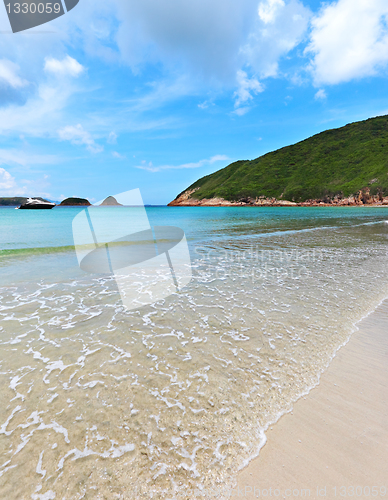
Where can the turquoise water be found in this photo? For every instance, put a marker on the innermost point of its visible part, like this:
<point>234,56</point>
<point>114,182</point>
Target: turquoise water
<point>26,235</point>
<point>169,400</point>
<point>53,228</point>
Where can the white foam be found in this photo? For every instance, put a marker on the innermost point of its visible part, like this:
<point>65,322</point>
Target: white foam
<point>39,469</point>
<point>49,495</point>
<point>210,372</point>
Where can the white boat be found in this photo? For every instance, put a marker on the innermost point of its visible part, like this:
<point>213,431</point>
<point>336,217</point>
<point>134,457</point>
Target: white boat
<point>35,204</point>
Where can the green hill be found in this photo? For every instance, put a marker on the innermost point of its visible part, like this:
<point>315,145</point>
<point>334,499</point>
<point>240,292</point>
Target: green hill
<point>338,162</point>
<point>16,201</point>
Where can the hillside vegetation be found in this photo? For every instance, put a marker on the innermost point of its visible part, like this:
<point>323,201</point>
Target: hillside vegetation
<point>16,201</point>
<point>338,162</point>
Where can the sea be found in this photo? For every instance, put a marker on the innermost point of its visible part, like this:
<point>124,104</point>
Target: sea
<point>169,400</point>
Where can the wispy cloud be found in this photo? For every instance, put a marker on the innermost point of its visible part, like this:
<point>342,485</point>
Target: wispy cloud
<point>161,93</point>
<point>280,26</point>
<point>267,10</point>
<point>9,74</point>
<point>112,138</point>
<point>202,163</point>
<point>65,67</point>
<point>7,182</point>
<point>320,95</point>
<point>206,104</point>
<point>38,116</point>
<point>9,186</point>
<point>246,89</point>
<point>78,135</point>
<point>115,154</point>
<point>25,158</point>
<point>241,111</point>
<point>46,105</point>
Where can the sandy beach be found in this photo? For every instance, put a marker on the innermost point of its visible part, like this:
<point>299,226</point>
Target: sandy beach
<point>166,400</point>
<point>334,443</point>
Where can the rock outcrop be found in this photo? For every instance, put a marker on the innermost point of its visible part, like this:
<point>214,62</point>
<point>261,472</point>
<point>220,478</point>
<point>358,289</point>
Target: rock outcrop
<point>74,202</point>
<point>362,198</point>
<point>110,202</point>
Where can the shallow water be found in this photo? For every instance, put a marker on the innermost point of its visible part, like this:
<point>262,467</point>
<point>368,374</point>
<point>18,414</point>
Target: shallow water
<point>169,400</point>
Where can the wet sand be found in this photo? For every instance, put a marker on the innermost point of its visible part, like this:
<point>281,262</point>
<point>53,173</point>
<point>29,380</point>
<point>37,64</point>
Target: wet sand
<point>336,438</point>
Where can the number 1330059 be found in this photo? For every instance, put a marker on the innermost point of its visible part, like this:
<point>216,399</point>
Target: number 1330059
<point>32,8</point>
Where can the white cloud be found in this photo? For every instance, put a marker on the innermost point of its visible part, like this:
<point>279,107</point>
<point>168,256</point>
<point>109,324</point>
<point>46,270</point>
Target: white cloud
<point>211,40</point>
<point>51,102</point>
<point>115,154</point>
<point>162,93</point>
<point>66,67</point>
<point>21,161</point>
<point>78,135</point>
<point>9,74</point>
<point>203,42</point>
<point>210,161</point>
<point>268,10</point>
<point>349,40</point>
<point>204,105</point>
<point>112,138</point>
<point>279,27</point>
<point>320,95</point>
<point>202,36</point>
<point>9,186</point>
<point>246,88</point>
<point>48,108</point>
<point>241,111</point>
<point>206,40</point>
<point>7,182</point>
<point>39,115</point>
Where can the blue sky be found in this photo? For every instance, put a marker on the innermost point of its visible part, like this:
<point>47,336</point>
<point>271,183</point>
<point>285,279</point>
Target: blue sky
<point>154,94</point>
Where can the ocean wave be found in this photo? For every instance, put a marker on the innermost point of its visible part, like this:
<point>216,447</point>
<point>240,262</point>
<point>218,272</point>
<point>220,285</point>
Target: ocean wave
<point>174,398</point>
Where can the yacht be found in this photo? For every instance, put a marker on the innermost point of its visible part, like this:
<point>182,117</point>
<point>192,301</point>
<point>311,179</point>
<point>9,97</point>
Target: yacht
<point>35,204</point>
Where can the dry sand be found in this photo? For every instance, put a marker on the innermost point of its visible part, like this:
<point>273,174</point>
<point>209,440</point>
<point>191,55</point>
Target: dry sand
<point>336,438</point>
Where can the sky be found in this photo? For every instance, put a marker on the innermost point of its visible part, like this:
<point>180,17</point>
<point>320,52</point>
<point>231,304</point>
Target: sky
<point>154,94</point>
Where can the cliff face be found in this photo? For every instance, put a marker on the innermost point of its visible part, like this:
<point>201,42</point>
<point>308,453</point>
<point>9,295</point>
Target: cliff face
<point>345,166</point>
<point>362,198</point>
<point>185,199</point>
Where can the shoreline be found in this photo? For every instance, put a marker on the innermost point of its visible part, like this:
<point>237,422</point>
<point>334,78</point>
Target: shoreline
<point>362,198</point>
<point>335,437</point>
<point>291,205</point>
<point>277,203</point>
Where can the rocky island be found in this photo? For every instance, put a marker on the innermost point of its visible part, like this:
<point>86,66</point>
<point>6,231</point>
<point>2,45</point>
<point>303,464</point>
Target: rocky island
<point>347,166</point>
<point>110,201</point>
<point>74,202</point>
